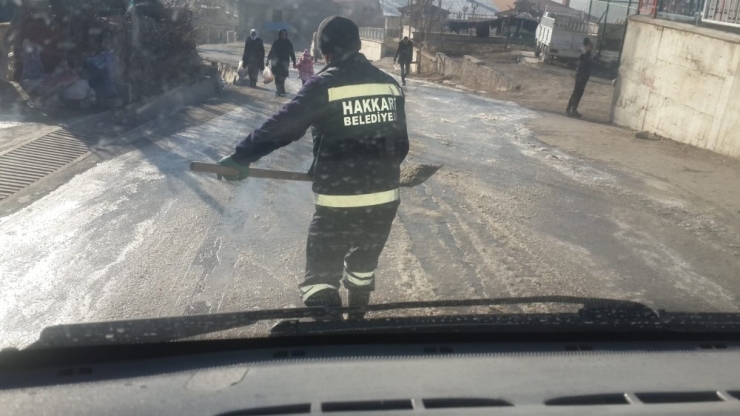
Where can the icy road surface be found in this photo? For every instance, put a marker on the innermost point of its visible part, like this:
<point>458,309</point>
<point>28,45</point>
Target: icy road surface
<point>138,235</point>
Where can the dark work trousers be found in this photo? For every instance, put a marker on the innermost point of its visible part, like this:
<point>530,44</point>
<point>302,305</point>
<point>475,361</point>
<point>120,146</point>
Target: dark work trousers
<point>575,98</point>
<point>253,71</point>
<point>344,244</point>
<point>405,70</point>
<point>280,83</point>
<point>280,72</point>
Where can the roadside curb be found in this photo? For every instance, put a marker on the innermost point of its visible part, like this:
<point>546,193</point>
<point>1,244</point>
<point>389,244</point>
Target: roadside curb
<point>228,72</point>
<point>178,98</point>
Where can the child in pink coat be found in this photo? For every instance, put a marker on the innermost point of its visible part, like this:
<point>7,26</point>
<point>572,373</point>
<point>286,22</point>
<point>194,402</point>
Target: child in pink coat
<point>305,66</point>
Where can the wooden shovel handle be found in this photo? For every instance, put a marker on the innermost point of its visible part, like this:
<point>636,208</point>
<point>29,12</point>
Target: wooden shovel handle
<point>253,172</point>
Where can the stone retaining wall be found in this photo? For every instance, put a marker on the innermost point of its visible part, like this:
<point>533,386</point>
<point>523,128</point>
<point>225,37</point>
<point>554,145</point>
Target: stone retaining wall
<point>472,72</point>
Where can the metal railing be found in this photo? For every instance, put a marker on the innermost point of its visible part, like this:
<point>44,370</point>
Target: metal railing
<point>724,12</point>
<point>372,33</point>
<point>648,7</point>
<point>393,33</point>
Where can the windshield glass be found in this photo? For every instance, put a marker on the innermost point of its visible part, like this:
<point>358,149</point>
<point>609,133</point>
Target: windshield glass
<point>554,156</point>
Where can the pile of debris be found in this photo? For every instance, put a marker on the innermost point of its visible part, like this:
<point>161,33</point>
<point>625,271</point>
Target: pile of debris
<point>101,52</point>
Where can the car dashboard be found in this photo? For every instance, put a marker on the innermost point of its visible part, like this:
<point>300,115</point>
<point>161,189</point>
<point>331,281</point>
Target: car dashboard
<point>466,375</point>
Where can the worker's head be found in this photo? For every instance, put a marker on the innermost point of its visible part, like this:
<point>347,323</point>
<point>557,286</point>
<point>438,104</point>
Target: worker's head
<point>405,38</point>
<point>339,37</point>
<point>253,33</point>
<point>283,34</point>
<point>588,44</point>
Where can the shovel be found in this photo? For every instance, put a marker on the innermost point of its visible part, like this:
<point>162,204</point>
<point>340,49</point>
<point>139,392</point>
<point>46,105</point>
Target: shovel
<point>411,174</point>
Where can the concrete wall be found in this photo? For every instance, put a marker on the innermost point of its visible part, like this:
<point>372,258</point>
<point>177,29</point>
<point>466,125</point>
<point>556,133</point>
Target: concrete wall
<point>679,81</point>
<point>478,76</point>
<point>227,71</point>
<point>428,63</point>
<point>441,64</point>
<point>472,72</point>
<point>178,98</point>
<point>373,49</point>
<point>459,45</point>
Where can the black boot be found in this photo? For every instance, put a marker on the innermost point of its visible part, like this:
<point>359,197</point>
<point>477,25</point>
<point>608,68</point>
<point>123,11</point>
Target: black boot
<point>326,299</point>
<point>358,298</point>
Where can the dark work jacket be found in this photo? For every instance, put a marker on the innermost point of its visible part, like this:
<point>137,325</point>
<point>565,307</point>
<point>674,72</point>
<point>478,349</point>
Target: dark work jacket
<point>358,120</point>
<point>280,56</point>
<point>254,53</point>
<point>583,72</point>
<point>405,51</point>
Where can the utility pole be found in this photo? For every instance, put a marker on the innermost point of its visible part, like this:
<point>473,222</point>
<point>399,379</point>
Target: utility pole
<point>589,9</point>
<point>603,32</point>
<point>474,7</point>
<point>400,28</point>
<point>506,22</point>
<point>411,14</point>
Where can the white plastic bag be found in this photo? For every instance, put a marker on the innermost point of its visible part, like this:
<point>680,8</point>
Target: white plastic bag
<point>77,91</point>
<point>267,76</point>
<point>242,72</point>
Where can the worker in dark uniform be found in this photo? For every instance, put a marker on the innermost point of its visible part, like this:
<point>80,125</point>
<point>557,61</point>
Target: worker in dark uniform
<point>279,59</point>
<point>583,73</point>
<point>404,55</point>
<point>253,57</point>
<point>357,117</point>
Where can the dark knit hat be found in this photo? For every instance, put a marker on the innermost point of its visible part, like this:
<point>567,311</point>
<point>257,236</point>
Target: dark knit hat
<point>339,35</point>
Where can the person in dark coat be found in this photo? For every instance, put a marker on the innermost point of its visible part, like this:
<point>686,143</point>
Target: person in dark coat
<point>357,117</point>
<point>254,57</point>
<point>404,55</point>
<point>279,59</point>
<point>583,73</point>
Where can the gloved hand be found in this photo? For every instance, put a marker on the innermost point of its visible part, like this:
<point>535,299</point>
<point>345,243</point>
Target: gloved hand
<point>243,169</point>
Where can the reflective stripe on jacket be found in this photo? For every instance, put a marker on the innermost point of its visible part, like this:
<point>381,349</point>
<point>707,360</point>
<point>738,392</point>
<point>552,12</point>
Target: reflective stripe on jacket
<point>358,120</point>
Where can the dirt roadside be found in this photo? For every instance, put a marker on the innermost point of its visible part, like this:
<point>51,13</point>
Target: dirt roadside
<point>544,87</point>
<point>701,174</point>
<point>547,87</point>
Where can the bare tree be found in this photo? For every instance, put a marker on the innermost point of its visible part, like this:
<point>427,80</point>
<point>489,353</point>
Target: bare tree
<point>430,19</point>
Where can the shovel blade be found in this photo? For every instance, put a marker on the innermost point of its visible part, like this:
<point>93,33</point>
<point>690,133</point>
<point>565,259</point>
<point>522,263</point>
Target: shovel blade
<point>416,174</point>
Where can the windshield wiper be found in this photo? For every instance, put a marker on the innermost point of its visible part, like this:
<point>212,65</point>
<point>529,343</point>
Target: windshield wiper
<point>136,331</point>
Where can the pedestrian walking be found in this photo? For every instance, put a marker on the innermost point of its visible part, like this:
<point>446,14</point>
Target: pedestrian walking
<point>305,66</point>
<point>254,57</point>
<point>404,55</point>
<point>583,73</point>
<point>279,59</point>
<point>357,117</point>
